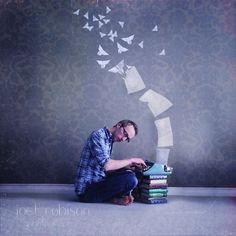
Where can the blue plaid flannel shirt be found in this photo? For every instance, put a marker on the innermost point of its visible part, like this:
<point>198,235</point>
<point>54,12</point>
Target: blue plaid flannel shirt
<point>96,153</point>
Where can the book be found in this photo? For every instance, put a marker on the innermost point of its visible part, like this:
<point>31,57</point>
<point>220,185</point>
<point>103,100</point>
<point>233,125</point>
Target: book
<point>154,200</point>
<point>152,186</point>
<point>153,195</point>
<point>155,190</point>
<point>155,181</point>
<point>154,177</point>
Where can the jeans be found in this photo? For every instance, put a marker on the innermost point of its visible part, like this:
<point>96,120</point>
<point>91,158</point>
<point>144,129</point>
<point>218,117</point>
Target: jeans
<point>115,184</point>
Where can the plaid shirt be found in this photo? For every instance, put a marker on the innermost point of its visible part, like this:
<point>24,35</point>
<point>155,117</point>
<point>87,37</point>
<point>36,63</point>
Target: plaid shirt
<point>95,155</point>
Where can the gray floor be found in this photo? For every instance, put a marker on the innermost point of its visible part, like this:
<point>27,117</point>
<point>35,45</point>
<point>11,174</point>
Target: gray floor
<point>54,211</point>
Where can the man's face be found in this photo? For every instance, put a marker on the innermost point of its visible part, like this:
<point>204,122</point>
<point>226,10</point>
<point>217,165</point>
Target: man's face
<point>123,133</point>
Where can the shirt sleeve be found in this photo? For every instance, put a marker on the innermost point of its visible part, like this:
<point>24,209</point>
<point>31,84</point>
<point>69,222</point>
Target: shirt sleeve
<point>99,148</point>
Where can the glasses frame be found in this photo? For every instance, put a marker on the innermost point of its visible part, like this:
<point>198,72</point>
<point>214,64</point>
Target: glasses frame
<point>125,134</point>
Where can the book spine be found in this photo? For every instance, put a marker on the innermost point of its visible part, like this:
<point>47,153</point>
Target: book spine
<point>156,181</point>
<point>154,200</point>
<point>153,186</point>
<point>154,195</point>
<point>155,190</point>
<point>155,177</point>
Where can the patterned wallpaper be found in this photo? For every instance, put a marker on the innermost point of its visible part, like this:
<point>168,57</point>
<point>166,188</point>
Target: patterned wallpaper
<point>53,92</point>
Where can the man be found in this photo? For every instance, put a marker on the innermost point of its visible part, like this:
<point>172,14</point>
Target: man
<point>99,178</point>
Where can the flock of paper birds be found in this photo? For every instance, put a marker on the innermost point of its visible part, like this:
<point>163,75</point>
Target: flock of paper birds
<point>99,21</point>
<point>133,81</point>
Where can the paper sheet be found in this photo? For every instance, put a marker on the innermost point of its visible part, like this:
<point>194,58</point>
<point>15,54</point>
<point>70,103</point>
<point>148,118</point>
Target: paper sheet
<point>133,80</point>
<point>165,135</point>
<point>156,102</point>
<point>162,155</point>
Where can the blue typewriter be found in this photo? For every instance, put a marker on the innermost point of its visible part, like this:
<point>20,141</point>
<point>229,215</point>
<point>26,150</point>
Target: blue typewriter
<point>156,169</point>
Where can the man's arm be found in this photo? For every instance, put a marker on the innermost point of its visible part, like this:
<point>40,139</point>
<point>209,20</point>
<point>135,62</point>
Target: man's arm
<point>118,164</point>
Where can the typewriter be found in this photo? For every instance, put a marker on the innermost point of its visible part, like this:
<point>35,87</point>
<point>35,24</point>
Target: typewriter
<point>156,169</point>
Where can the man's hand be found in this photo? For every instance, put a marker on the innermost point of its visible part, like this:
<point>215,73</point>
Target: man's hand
<point>137,162</point>
<point>127,163</point>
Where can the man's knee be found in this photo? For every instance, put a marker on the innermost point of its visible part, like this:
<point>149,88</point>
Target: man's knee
<point>132,180</point>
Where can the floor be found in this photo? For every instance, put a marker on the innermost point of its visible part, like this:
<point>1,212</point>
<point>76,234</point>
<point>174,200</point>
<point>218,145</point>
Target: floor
<point>54,210</point>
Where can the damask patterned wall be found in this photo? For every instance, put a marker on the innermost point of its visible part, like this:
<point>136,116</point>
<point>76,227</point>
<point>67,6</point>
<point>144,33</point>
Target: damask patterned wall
<point>53,92</point>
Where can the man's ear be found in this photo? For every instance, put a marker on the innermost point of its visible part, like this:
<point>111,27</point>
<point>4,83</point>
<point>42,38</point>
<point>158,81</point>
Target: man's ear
<point>118,125</point>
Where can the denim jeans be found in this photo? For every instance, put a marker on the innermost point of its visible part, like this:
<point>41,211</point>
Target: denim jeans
<point>115,184</point>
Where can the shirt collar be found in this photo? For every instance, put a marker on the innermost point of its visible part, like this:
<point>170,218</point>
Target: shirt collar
<point>108,133</point>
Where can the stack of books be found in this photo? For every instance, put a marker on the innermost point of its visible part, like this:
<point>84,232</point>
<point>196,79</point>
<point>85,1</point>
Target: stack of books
<point>152,183</point>
<point>153,189</point>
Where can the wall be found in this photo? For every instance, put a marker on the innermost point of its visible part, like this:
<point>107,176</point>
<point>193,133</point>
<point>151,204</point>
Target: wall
<point>53,92</point>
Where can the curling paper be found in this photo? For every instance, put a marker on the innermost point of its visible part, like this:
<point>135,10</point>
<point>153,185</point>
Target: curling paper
<point>156,102</point>
<point>133,80</point>
<point>165,135</point>
<point>162,155</point>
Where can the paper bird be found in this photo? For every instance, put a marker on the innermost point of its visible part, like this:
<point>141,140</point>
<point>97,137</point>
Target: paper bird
<point>155,28</point>
<point>121,23</point>
<point>101,16</point>
<point>86,26</point>
<point>121,48</point>
<point>128,39</point>
<point>110,33</point>
<point>103,63</point>
<point>102,34</point>
<point>86,15</point>
<point>95,18</point>
<point>100,24</point>
<point>76,12</point>
<point>113,35</point>
<point>162,53</point>
<point>107,9</point>
<point>140,44</point>
<point>106,20</point>
<point>101,51</point>
<point>119,68</point>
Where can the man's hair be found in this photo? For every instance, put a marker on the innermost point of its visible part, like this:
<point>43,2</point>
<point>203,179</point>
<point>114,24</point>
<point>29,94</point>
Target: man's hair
<point>125,123</point>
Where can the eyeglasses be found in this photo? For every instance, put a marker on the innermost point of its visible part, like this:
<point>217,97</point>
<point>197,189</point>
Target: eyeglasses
<point>125,134</point>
